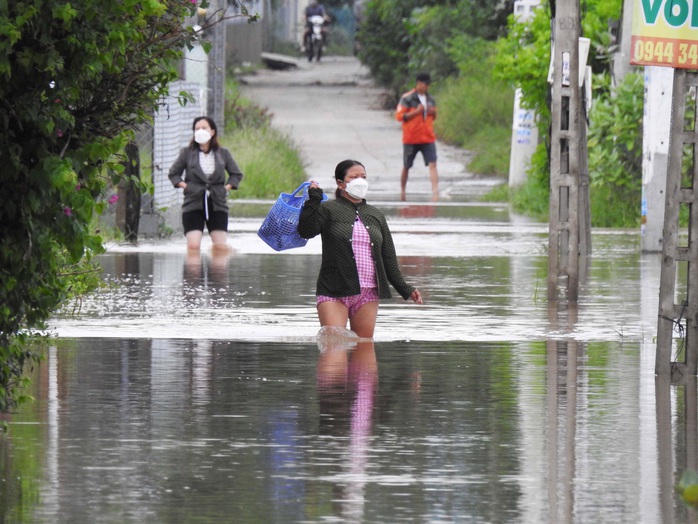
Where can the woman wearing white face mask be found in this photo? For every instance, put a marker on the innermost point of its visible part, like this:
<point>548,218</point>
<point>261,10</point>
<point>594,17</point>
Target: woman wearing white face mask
<point>204,164</point>
<point>358,254</point>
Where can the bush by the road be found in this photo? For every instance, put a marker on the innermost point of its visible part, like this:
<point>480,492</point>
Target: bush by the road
<point>269,158</point>
<point>615,121</point>
<point>74,78</point>
<point>475,109</point>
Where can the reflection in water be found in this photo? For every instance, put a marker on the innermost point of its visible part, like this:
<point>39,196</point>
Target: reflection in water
<point>677,442</point>
<point>347,381</point>
<point>563,358</point>
<point>416,270</point>
<point>202,274</point>
<point>491,408</point>
<point>575,416</point>
<point>51,494</point>
<point>417,211</point>
<point>285,457</point>
<point>196,430</point>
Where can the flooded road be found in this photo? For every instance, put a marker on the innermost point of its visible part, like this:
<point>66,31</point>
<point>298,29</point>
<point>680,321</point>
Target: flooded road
<point>195,389</point>
<point>482,272</point>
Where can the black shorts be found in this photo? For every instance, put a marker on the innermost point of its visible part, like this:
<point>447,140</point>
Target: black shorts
<point>409,152</point>
<point>195,220</point>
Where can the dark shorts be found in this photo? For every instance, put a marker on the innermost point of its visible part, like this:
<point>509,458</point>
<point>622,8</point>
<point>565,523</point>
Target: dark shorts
<point>195,221</point>
<point>409,152</point>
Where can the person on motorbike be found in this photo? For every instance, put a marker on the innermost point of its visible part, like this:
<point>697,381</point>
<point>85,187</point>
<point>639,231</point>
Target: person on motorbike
<point>314,9</point>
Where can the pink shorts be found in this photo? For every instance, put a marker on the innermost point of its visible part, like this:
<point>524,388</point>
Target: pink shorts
<point>354,302</point>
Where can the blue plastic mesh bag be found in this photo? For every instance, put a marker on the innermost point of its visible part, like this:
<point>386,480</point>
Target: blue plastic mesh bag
<point>280,227</point>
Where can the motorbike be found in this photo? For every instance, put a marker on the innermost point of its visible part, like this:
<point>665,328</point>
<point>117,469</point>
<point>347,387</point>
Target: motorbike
<point>314,40</point>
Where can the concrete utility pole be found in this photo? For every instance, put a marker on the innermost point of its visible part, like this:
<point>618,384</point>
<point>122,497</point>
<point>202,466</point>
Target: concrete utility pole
<point>621,58</point>
<point>216,67</point>
<point>569,230</point>
<point>679,255</point>
<point>668,38</point>
<point>656,122</point>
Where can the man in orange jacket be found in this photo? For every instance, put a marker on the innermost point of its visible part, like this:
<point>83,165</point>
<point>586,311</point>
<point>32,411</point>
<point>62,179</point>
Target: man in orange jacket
<point>417,112</point>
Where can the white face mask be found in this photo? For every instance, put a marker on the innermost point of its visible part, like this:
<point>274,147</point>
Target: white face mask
<point>201,136</point>
<point>357,188</point>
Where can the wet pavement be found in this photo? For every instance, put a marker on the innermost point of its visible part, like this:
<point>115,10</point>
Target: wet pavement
<point>196,388</point>
<point>483,278</point>
<point>333,112</point>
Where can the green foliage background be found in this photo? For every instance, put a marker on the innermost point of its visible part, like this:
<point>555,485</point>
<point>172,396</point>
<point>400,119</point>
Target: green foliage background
<point>615,153</point>
<point>268,157</point>
<point>75,77</point>
<point>615,120</point>
<point>399,38</point>
<point>478,56</point>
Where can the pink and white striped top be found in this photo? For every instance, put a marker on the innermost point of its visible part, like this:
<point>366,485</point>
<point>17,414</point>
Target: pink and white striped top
<point>361,244</point>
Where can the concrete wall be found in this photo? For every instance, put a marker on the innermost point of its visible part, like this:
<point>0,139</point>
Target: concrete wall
<point>245,41</point>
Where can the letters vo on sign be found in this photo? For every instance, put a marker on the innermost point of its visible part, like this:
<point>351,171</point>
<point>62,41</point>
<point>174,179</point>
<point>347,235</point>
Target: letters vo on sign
<point>665,33</point>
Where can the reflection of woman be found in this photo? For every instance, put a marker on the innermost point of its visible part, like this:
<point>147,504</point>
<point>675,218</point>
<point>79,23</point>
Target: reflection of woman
<point>204,276</point>
<point>347,388</point>
<point>205,164</point>
<point>358,255</point>
<point>215,273</point>
<point>347,380</point>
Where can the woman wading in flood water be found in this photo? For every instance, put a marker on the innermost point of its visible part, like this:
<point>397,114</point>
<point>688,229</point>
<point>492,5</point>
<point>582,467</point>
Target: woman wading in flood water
<point>358,255</point>
<point>204,164</point>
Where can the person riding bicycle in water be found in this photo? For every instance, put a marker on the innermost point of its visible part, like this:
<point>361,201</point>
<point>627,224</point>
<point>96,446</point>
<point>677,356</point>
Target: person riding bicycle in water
<point>314,9</point>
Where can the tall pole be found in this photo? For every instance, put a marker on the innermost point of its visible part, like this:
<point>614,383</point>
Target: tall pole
<point>566,153</point>
<point>659,82</point>
<point>680,255</point>
<point>216,67</point>
<point>660,38</point>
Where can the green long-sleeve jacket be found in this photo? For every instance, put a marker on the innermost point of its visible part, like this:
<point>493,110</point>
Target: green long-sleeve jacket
<point>334,220</point>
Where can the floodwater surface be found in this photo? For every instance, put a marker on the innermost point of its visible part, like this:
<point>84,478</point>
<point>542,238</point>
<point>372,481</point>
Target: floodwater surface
<point>196,389</point>
<point>482,273</point>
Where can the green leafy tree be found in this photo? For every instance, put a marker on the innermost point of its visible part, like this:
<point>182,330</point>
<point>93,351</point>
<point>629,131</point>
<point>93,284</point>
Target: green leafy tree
<point>75,77</point>
<point>436,30</point>
<point>384,41</point>
<point>522,61</point>
<point>523,58</point>
<point>615,153</point>
<point>401,37</point>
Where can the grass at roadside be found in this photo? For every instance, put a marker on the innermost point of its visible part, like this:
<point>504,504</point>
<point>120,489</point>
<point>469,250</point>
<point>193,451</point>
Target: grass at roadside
<point>472,114</point>
<point>475,113</point>
<point>269,159</point>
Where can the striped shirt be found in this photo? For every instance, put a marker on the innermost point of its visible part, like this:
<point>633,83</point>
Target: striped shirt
<point>361,244</point>
<point>207,162</point>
